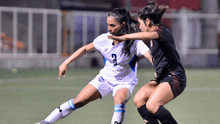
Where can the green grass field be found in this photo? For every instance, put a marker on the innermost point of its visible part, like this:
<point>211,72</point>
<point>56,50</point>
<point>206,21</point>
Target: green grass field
<point>30,95</point>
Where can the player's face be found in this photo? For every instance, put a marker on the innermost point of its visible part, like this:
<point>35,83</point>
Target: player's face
<point>142,25</point>
<point>113,26</point>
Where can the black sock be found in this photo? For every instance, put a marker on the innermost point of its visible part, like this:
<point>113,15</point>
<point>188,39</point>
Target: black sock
<point>164,116</point>
<point>147,116</point>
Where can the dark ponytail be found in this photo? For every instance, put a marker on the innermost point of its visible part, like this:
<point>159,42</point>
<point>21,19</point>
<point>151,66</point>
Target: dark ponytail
<point>153,12</point>
<point>130,26</point>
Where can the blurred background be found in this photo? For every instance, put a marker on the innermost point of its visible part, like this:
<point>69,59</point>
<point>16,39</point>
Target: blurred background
<point>43,33</point>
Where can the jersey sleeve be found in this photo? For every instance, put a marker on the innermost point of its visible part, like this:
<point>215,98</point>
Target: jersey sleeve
<point>96,43</point>
<point>160,32</point>
<point>163,34</point>
<point>99,42</point>
<point>141,48</point>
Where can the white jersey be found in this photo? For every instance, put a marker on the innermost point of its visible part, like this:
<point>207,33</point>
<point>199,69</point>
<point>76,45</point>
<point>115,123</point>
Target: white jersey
<point>119,68</point>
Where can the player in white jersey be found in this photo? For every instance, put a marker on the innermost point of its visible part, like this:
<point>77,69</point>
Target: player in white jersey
<point>119,73</point>
<point>119,68</point>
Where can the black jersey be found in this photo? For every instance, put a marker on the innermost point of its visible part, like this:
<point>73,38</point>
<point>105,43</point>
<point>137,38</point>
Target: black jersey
<point>166,60</point>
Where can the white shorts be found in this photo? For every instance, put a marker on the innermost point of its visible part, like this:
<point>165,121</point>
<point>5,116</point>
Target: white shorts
<point>105,88</point>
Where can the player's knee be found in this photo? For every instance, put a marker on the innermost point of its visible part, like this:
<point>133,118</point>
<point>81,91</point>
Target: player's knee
<point>122,96</point>
<point>119,101</point>
<point>139,100</point>
<point>152,107</point>
<point>136,100</point>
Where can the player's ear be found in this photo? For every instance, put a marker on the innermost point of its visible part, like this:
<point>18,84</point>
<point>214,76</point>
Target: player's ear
<point>147,22</point>
<point>123,23</point>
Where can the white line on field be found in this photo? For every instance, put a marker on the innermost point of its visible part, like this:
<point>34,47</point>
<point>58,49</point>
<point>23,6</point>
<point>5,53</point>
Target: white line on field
<point>49,79</point>
<point>39,88</point>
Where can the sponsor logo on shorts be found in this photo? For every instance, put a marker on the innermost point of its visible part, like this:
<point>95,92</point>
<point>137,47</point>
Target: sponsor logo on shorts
<point>101,79</point>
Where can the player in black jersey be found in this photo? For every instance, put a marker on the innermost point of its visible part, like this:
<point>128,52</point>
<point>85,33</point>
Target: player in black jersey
<point>170,75</point>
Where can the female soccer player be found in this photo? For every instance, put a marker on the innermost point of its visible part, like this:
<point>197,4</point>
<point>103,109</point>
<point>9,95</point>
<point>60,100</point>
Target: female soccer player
<point>170,78</point>
<point>119,73</point>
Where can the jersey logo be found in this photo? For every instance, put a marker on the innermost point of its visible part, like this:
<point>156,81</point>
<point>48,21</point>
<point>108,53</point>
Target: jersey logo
<point>105,49</point>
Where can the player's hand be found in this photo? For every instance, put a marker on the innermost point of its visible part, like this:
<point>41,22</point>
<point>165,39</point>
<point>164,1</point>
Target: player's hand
<point>62,70</point>
<point>111,37</point>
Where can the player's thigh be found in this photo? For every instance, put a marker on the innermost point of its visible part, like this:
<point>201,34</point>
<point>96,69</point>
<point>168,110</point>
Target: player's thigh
<point>89,93</point>
<point>144,93</point>
<point>161,95</point>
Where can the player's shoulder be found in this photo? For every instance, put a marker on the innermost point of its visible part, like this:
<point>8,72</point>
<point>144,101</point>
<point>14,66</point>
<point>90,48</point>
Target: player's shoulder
<point>101,40</point>
<point>103,36</point>
<point>136,42</point>
<point>163,30</point>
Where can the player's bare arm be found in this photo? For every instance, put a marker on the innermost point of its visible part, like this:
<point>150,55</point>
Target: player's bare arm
<point>118,38</point>
<point>136,36</point>
<point>76,55</point>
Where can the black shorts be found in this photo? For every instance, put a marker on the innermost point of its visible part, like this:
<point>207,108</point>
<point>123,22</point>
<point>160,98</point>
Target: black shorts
<point>177,85</point>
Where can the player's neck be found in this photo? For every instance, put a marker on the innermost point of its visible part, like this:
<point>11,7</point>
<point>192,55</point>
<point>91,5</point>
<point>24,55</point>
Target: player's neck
<point>115,42</point>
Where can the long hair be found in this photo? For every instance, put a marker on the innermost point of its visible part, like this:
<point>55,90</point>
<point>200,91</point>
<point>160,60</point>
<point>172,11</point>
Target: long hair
<point>153,12</point>
<point>130,26</point>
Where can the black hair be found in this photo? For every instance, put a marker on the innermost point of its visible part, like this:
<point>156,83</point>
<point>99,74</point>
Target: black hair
<point>153,12</point>
<point>130,26</point>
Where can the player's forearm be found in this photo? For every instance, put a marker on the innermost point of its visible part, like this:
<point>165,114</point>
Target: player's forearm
<point>134,36</point>
<point>141,36</point>
<point>148,56</point>
<point>76,55</point>
<point>79,53</point>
